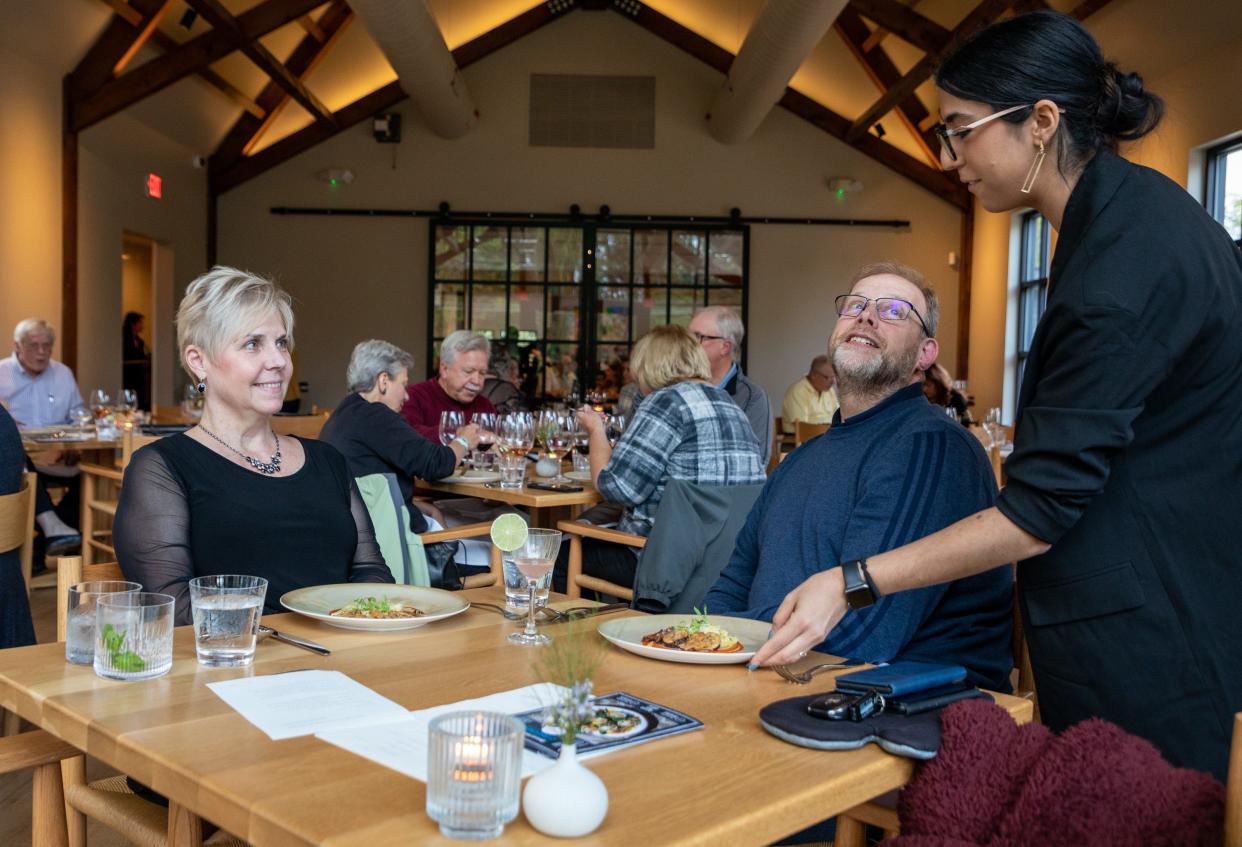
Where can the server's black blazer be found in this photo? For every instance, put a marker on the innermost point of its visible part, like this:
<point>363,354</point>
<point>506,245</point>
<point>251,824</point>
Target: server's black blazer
<point>1128,459</point>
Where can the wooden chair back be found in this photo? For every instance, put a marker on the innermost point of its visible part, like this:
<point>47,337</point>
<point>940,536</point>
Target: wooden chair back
<point>804,431</point>
<point>575,579</point>
<point>17,513</point>
<point>303,426</point>
<point>775,458</point>
<point>1025,684</point>
<point>1233,789</point>
<point>70,570</point>
<point>131,441</point>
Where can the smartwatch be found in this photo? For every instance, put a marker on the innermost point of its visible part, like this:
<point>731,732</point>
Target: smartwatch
<point>859,589</point>
<point>463,442</point>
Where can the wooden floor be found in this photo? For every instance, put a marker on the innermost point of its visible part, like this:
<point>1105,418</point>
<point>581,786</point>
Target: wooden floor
<point>15,788</point>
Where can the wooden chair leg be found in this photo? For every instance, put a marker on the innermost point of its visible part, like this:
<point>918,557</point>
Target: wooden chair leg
<point>86,520</point>
<point>48,827</point>
<point>73,772</point>
<point>575,567</point>
<point>185,829</point>
<point>851,832</point>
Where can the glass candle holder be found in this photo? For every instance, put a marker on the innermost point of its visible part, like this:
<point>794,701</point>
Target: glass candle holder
<point>474,773</point>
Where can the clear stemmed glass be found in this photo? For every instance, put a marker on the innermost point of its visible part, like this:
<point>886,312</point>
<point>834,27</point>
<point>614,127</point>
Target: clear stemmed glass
<point>614,425</point>
<point>101,404</point>
<point>487,424</point>
<point>516,433</point>
<point>450,422</point>
<point>534,559</point>
<point>559,441</point>
<point>992,426</point>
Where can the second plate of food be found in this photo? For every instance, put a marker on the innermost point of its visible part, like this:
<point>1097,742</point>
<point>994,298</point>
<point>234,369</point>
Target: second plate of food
<point>474,476</point>
<point>374,606</point>
<point>661,637</point>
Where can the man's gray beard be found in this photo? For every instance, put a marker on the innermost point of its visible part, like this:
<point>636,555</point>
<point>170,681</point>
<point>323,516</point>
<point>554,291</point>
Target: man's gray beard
<point>878,376</point>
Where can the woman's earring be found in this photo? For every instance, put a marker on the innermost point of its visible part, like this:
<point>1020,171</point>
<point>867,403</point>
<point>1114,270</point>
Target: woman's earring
<point>202,387</point>
<point>1034,171</point>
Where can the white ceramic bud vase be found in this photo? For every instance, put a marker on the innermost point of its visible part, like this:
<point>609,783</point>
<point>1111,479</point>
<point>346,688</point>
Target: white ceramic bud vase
<point>567,800</point>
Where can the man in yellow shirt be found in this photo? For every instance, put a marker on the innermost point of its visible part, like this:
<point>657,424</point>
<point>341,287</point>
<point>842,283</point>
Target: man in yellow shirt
<point>811,399</point>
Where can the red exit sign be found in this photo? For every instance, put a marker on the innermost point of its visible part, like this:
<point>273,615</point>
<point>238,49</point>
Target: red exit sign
<point>155,186</point>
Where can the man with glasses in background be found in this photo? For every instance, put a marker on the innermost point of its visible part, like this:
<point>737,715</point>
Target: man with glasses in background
<point>720,331</point>
<point>892,468</point>
<point>40,391</point>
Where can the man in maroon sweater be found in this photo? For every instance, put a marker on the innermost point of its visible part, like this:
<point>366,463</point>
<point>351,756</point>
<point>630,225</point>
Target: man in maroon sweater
<point>463,367</point>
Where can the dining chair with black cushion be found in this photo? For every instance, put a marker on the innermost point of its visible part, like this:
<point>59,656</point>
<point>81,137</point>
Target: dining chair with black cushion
<point>111,801</point>
<point>693,533</point>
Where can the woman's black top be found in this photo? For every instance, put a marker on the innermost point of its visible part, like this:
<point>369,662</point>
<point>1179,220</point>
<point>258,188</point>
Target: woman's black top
<point>186,511</point>
<point>16,626</point>
<point>375,439</point>
<point>1128,460</point>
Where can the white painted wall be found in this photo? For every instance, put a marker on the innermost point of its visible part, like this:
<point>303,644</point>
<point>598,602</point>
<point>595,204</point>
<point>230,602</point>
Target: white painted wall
<point>357,278</point>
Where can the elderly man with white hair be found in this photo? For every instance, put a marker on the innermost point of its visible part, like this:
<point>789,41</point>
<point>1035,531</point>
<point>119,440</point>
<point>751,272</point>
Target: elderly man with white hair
<point>457,387</point>
<point>720,331</point>
<point>40,391</point>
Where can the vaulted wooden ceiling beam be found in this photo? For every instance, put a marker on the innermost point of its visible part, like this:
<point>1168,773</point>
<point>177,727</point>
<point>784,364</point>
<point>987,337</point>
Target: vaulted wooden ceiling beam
<point>983,14</point>
<point>131,15</point>
<point>146,28</point>
<point>905,23</point>
<point>879,66</point>
<point>247,130</point>
<point>214,12</point>
<point>312,29</point>
<point>933,179</point>
<point>877,36</point>
<point>1087,8</point>
<point>93,103</point>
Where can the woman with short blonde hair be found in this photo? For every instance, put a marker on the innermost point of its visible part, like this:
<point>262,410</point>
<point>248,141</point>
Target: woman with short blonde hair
<point>231,496</point>
<point>686,428</point>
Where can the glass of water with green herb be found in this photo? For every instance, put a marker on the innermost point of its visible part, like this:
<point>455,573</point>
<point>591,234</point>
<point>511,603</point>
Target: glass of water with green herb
<point>133,635</point>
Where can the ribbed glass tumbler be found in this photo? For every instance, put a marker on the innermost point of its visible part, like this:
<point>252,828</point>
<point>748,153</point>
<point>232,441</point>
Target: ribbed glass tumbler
<point>474,773</point>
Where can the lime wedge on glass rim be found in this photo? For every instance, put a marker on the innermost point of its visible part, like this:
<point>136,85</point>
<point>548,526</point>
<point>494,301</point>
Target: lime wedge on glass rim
<point>509,532</point>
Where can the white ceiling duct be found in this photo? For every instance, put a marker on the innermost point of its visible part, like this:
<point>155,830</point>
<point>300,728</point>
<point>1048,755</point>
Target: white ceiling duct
<point>415,47</point>
<point>780,40</point>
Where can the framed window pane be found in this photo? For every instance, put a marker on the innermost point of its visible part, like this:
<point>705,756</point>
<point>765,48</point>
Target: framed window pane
<point>1030,308</point>
<point>612,256</point>
<point>650,310</point>
<point>1034,246</point>
<point>607,375</point>
<point>725,297</point>
<point>487,310</point>
<point>689,257</point>
<point>560,378</point>
<point>726,259</point>
<point>612,313</point>
<point>449,308</point>
<point>564,255</point>
<point>491,252</point>
<point>526,310</point>
<point>1225,188</point>
<point>452,244</point>
<point>563,311</point>
<point>650,257</point>
<point>681,304</point>
<point>526,254</point>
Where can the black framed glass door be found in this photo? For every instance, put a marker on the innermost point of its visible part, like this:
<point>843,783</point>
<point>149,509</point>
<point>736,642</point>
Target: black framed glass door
<point>569,299</point>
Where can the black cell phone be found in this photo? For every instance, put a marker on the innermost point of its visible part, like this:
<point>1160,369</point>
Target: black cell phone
<point>554,486</point>
<point>934,698</point>
<point>846,705</point>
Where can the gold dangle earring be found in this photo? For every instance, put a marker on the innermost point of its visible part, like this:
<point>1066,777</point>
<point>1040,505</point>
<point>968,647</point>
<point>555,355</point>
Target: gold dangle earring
<point>1034,171</point>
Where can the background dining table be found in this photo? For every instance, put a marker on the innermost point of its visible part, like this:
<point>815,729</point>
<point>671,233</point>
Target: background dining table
<point>730,782</point>
<point>545,507</point>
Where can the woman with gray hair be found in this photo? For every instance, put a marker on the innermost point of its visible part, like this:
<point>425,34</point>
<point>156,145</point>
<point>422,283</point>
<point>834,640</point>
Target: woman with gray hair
<point>230,496</point>
<point>368,429</point>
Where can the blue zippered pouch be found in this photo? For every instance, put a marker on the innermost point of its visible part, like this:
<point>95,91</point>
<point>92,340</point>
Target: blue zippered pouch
<point>901,678</point>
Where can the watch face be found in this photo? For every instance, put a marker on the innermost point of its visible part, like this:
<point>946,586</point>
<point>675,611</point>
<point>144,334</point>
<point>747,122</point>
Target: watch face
<point>860,597</point>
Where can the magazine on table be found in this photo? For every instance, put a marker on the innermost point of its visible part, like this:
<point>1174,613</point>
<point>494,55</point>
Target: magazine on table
<point>620,720</point>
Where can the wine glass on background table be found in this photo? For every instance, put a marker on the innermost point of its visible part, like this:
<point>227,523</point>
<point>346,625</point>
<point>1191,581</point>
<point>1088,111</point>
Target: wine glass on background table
<point>992,427</point>
<point>614,425</point>
<point>101,404</point>
<point>582,447</point>
<point>450,422</point>
<point>559,441</point>
<point>534,560</point>
<point>514,440</point>
<point>487,422</point>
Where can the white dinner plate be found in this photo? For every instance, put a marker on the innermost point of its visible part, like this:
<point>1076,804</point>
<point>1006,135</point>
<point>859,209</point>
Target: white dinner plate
<point>474,476</point>
<point>627,633</point>
<point>317,601</point>
<point>62,437</point>
<point>579,476</point>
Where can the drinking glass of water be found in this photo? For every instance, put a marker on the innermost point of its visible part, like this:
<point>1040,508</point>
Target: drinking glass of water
<point>133,635</point>
<point>80,632</point>
<point>226,609</point>
<point>534,560</point>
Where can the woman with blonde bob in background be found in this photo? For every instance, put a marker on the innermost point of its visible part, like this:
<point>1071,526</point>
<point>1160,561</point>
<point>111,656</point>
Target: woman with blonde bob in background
<point>686,428</point>
<point>230,495</point>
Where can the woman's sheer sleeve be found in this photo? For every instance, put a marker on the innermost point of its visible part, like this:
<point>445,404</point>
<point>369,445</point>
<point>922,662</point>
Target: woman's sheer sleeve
<point>368,564</point>
<point>151,532</point>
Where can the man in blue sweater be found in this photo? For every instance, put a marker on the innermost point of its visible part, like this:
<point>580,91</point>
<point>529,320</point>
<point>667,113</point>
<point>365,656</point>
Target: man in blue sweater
<point>891,468</point>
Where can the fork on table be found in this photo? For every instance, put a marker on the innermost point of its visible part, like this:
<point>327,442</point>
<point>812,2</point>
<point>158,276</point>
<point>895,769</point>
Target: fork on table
<point>803,677</point>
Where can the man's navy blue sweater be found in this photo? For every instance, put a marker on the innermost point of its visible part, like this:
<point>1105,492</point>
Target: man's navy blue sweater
<point>891,475</point>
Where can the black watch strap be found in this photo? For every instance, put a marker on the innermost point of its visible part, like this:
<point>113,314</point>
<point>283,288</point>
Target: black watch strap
<point>859,589</point>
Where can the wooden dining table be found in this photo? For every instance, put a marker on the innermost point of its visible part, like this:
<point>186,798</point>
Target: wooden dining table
<point>730,782</point>
<point>545,507</point>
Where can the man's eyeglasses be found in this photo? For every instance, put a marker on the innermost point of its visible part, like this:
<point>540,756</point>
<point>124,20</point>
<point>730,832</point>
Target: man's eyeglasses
<point>700,337</point>
<point>891,309</point>
<point>944,133</point>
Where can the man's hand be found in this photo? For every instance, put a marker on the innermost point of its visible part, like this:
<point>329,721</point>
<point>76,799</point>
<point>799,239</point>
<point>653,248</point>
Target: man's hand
<point>804,619</point>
